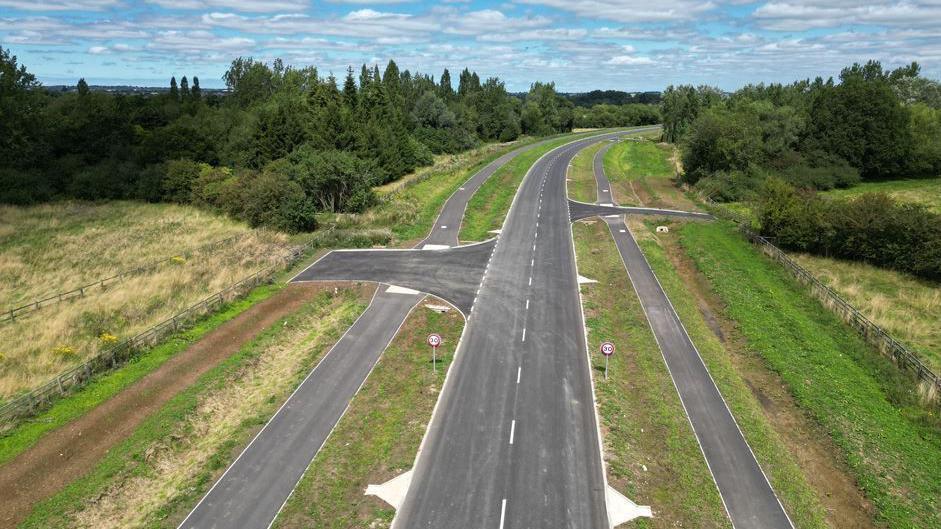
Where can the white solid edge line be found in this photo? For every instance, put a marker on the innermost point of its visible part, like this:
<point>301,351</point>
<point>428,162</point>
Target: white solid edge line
<point>283,404</point>
<point>452,367</point>
<point>711,379</point>
<point>421,297</point>
<point>309,266</point>
<point>591,378</point>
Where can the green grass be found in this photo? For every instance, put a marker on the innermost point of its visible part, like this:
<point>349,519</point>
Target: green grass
<point>581,185</point>
<point>786,477</point>
<point>632,160</point>
<point>104,386</point>
<point>925,191</point>
<point>651,452</point>
<point>891,445</point>
<point>379,435</point>
<point>130,456</point>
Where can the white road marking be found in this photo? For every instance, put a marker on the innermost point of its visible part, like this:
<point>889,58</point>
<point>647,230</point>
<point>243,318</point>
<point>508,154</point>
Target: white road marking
<point>512,430</point>
<point>532,262</point>
<point>444,227</point>
<point>530,280</point>
<point>524,334</point>
<point>527,304</point>
<point>622,231</point>
<point>519,371</point>
<point>503,513</point>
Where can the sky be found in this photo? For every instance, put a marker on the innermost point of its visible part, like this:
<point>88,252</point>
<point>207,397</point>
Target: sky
<point>581,45</point>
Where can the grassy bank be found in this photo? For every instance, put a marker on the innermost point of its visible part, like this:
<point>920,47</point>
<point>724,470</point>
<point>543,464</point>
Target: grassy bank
<point>641,173</point>
<point>581,175</point>
<point>651,453</point>
<point>909,308</point>
<point>890,444</point>
<point>57,247</point>
<point>379,435</point>
<point>925,191</point>
<point>787,479</point>
<point>155,476</point>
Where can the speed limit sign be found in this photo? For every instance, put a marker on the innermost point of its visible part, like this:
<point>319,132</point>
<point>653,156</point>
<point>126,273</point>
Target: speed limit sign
<point>607,349</point>
<point>434,340</point>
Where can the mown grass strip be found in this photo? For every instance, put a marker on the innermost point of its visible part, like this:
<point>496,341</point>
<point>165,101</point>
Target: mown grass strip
<point>106,385</point>
<point>581,175</point>
<point>891,445</point>
<point>651,453</point>
<point>786,477</point>
<point>379,435</point>
<point>130,457</point>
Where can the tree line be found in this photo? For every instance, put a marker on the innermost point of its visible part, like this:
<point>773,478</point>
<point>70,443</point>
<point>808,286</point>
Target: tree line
<point>283,144</point>
<point>870,124</point>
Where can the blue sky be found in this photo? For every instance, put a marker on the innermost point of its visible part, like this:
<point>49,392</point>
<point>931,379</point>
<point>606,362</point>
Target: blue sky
<point>580,44</point>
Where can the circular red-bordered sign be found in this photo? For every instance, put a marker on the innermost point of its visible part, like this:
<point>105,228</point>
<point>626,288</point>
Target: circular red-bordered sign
<point>434,340</point>
<point>607,348</point>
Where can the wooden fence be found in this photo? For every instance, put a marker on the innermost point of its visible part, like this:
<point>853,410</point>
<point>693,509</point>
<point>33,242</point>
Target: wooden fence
<point>39,398</point>
<point>929,384</point>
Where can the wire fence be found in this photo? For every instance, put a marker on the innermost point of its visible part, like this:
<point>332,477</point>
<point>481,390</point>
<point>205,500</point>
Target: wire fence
<point>929,384</point>
<point>10,315</point>
<point>39,398</point>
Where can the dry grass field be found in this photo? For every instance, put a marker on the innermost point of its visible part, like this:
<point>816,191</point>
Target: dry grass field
<point>57,247</point>
<point>907,307</point>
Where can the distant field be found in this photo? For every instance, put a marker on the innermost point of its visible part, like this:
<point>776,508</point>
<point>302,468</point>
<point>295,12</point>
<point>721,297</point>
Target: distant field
<point>907,307</point>
<point>925,191</point>
<point>57,247</point>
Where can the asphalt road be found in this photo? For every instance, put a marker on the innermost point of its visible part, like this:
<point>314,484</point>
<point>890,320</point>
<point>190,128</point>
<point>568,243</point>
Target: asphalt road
<point>748,497</point>
<point>258,483</point>
<point>514,440</point>
<point>453,274</point>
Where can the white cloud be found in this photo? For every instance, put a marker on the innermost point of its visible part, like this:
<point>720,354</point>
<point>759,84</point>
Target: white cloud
<point>60,5</point>
<point>630,10</point>
<point>631,60</point>
<point>250,6</point>
<point>801,15</point>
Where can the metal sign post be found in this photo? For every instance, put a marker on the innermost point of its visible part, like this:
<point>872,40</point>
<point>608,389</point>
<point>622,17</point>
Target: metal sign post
<point>607,349</point>
<point>434,340</point>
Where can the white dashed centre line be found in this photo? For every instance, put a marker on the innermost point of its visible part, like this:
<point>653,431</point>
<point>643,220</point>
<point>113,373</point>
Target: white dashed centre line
<point>530,280</point>
<point>527,304</point>
<point>502,513</point>
<point>524,334</point>
<point>519,372</point>
<point>512,430</point>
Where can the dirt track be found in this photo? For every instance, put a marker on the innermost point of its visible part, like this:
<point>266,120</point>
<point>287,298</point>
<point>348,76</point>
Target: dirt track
<point>69,452</point>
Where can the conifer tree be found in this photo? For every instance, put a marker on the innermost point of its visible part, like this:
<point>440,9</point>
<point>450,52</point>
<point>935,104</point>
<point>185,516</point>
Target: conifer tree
<point>184,89</point>
<point>174,91</point>
<point>82,87</point>
<point>195,93</point>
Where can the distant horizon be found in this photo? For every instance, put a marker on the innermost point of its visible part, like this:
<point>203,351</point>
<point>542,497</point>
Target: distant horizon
<point>580,45</point>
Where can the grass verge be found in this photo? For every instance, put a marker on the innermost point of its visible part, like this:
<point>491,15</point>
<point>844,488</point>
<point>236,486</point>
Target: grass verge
<point>641,173</point>
<point>651,453</point>
<point>799,499</point>
<point>379,435</point>
<point>581,175</point>
<point>152,478</point>
<point>891,445</point>
<point>106,385</point>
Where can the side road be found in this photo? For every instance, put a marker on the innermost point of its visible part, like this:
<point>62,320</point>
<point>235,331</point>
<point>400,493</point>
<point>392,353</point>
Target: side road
<point>750,501</point>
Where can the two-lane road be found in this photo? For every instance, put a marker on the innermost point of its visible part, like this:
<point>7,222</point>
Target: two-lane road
<point>514,439</point>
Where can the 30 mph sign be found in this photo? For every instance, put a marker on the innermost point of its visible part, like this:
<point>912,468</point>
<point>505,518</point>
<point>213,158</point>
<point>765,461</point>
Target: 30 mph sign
<point>434,340</point>
<point>607,348</point>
